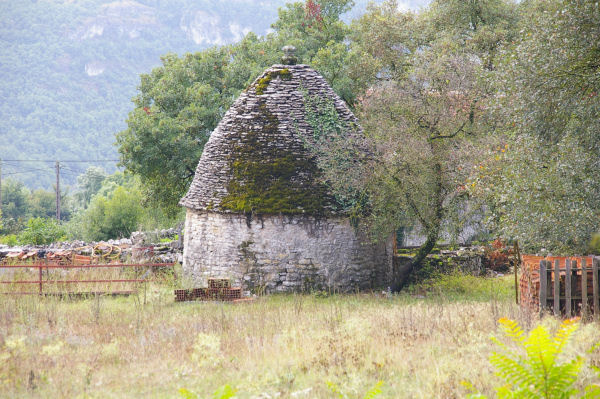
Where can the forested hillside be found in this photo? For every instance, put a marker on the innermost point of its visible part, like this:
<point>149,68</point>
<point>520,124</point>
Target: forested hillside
<point>70,68</point>
<point>481,114</point>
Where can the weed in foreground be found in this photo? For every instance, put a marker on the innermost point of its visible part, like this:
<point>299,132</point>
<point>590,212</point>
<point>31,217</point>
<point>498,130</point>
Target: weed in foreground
<point>535,369</point>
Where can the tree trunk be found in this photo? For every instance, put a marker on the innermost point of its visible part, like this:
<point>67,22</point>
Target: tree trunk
<point>402,275</point>
<point>433,230</point>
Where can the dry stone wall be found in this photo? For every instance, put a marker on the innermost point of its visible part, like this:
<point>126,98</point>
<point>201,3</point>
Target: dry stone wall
<point>283,253</point>
<point>141,247</point>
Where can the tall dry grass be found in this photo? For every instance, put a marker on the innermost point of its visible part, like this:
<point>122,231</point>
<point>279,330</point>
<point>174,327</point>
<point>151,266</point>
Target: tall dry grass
<point>275,347</point>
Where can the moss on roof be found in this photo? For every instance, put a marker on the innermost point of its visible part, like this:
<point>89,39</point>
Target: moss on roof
<point>271,179</point>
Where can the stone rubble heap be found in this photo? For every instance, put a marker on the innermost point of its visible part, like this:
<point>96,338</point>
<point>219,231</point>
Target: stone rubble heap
<point>161,246</point>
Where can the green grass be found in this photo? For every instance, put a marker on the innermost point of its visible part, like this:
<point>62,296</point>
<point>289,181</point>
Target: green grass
<point>421,344</point>
<point>459,287</point>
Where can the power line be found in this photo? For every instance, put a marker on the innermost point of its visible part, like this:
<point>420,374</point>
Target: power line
<point>54,160</point>
<point>26,171</point>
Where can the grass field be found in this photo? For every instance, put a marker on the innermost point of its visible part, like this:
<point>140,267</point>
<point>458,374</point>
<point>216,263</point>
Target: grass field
<point>421,344</point>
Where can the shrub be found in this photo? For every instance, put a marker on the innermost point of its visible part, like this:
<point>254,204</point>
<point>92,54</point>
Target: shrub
<point>594,245</point>
<point>112,217</point>
<point>497,256</point>
<point>41,231</point>
<point>9,239</point>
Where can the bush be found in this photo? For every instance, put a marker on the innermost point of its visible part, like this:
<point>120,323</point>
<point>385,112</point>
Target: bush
<point>112,217</point>
<point>594,245</point>
<point>9,239</point>
<point>497,255</point>
<point>41,231</point>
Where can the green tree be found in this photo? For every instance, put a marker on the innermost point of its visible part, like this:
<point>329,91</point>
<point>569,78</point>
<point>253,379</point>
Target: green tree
<point>181,102</point>
<point>337,62</point>
<point>42,204</point>
<point>176,109</point>
<point>425,133</point>
<point>311,25</point>
<point>320,36</point>
<point>14,206</point>
<point>42,231</point>
<point>423,120</point>
<point>481,26</point>
<point>384,39</point>
<point>543,187</point>
<point>88,184</point>
<point>112,217</point>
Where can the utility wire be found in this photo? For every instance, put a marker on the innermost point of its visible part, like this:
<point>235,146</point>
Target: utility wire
<point>58,160</point>
<point>25,171</point>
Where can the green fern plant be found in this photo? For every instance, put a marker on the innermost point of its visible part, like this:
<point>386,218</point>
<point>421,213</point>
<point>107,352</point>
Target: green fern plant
<point>538,373</point>
<point>371,393</point>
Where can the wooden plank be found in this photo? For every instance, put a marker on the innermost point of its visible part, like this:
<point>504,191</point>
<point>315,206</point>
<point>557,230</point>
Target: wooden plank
<point>568,287</point>
<point>574,295</point>
<point>584,289</point>
<point>543,287</point>
<point>556,292</point>
<point>595,285</point>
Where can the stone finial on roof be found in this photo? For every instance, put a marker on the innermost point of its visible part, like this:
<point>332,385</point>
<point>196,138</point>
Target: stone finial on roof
<point>289,55</point>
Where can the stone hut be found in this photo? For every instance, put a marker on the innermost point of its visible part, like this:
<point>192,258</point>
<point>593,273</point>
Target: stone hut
<point>257,210</point>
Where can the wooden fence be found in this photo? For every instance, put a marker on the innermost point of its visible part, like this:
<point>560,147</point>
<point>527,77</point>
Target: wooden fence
<point>569,286</point>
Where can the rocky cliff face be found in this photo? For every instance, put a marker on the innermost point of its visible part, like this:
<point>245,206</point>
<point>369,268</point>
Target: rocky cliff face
<point>119,19</point>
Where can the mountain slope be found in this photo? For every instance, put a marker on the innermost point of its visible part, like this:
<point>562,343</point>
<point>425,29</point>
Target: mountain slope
<point>68,69</point>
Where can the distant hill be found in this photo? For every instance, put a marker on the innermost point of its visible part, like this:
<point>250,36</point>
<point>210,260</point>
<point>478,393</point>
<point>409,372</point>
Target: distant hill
<point>68,69</point>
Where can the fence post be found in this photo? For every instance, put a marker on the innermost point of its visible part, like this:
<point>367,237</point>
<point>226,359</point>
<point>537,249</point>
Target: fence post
<point>595,283</point>
<point>517,264</point>
<point>40,275</point>
<point>543,287</point>
<point>584,289</point>
<point>568,287</point>
<point>556,287</point>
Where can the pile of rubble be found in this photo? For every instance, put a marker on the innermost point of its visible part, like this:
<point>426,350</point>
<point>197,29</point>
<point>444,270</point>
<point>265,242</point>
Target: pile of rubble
<point>162,246</point>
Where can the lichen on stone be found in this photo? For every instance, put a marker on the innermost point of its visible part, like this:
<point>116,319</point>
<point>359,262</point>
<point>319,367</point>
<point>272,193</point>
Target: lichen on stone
<point>263,83</point>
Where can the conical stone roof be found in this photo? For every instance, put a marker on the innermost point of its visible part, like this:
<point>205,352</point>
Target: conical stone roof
<point>257,160</point>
